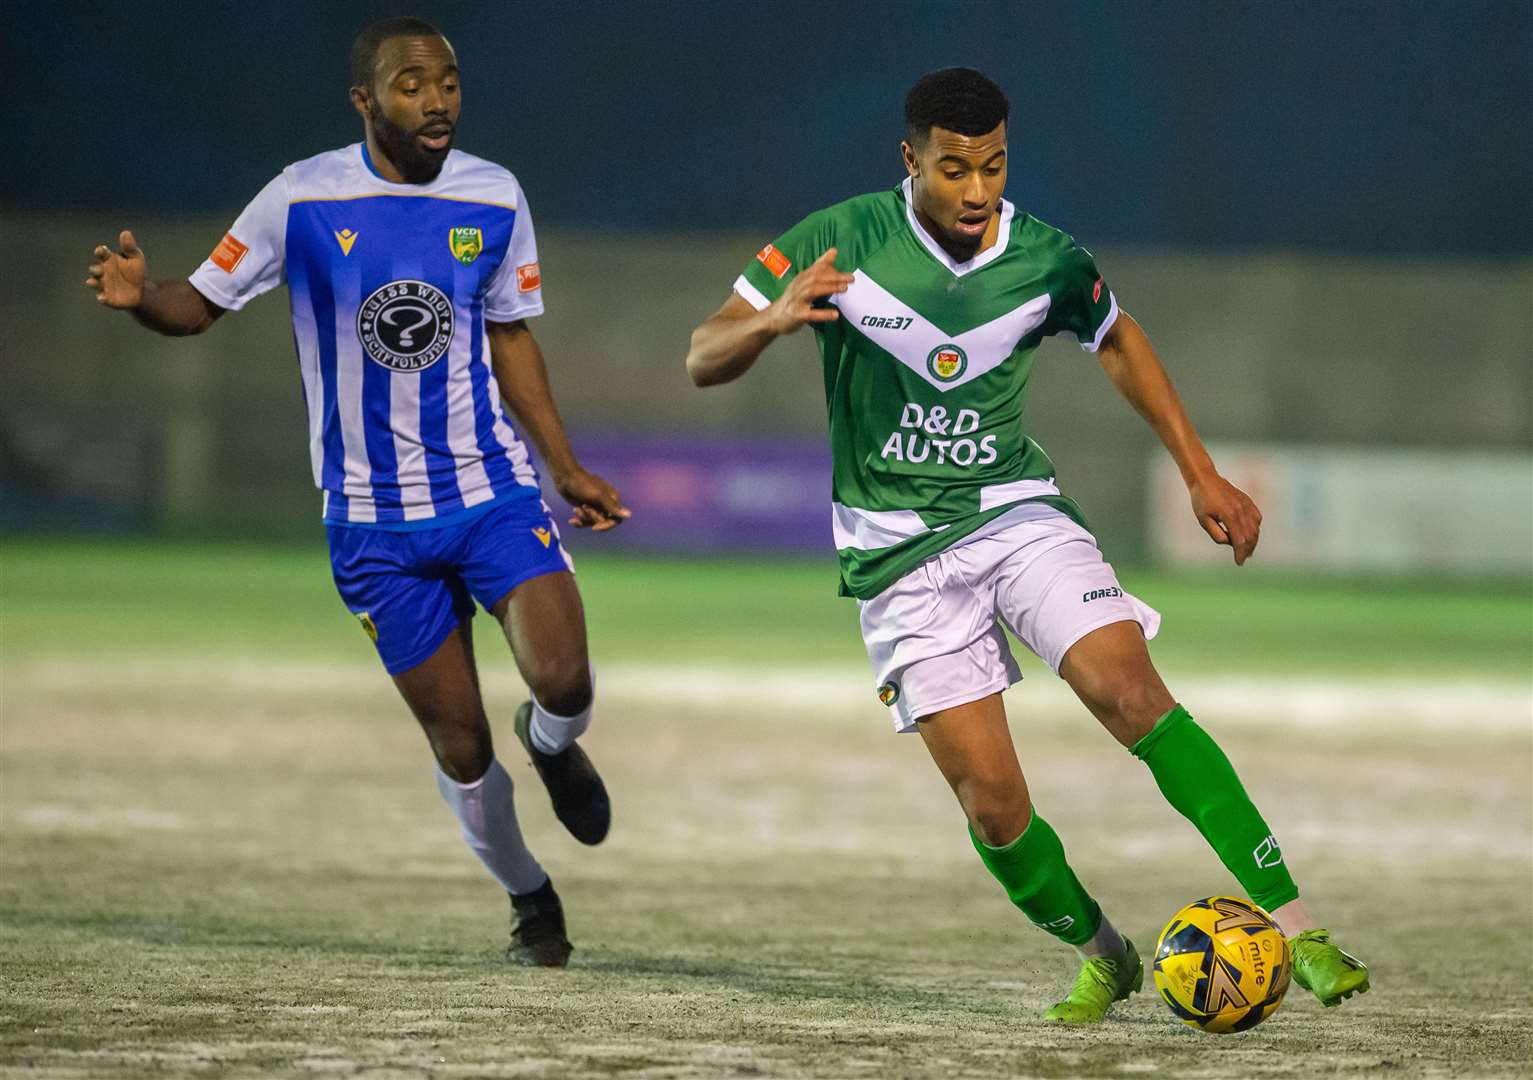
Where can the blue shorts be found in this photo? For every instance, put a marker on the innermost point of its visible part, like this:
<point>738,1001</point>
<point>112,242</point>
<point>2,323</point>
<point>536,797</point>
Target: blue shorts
<point>411,589</point>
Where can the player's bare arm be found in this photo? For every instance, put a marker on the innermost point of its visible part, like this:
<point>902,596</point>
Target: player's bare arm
<point>1226,513</point>
<point>523,378</point>
<point>728,343</point>
<point>120,280</point>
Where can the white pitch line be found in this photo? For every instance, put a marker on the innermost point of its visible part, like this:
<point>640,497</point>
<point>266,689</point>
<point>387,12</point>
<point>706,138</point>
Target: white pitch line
<point>1447,706</point>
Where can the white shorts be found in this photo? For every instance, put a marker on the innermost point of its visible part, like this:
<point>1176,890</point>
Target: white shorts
<point>935,639</point>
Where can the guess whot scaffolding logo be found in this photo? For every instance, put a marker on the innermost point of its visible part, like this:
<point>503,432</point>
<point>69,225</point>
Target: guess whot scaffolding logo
<point>406,325</point>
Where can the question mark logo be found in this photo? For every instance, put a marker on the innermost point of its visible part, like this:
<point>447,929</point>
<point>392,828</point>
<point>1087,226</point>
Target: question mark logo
<point>393,315</point>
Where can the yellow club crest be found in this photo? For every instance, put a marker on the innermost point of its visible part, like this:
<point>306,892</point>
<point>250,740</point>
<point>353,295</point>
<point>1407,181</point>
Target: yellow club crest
<point>367,624</point>
<point>466,242</point>
<point>345,237</point>
<point>544,536</point>
<point>946,362</point>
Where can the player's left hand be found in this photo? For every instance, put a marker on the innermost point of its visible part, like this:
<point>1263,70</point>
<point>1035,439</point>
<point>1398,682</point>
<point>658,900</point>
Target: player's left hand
<point>1227,514</point>
<point>595,504</point>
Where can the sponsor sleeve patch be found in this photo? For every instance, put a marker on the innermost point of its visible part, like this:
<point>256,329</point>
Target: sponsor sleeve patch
<point>227,255</point>
<point>528,277</point>
<point>1096,292</point>
<point>774,260</point>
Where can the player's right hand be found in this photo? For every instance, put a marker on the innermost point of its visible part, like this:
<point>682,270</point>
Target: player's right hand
<point>1227,514</point>
<point>796,306</point>
<point>118,276</point>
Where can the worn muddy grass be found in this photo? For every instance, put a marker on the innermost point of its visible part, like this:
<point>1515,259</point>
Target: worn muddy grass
<point>256,879</point>
<point>222,889</point>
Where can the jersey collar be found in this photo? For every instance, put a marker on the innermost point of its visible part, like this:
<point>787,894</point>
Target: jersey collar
<point>367,163</point>
<point>959,269</point>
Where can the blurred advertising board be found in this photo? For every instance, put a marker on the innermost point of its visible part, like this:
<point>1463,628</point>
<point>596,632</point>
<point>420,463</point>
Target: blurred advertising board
<point>1350,509</point>
<point>710,494</point>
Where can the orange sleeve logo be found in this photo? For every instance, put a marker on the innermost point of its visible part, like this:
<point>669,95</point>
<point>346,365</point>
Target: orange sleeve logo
<point>774,260</point>
<point>227,255</point>
<point>528,277</point>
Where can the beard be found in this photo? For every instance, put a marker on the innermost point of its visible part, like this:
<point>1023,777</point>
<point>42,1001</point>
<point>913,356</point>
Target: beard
<point>416,163</point>
<point>961,246</point>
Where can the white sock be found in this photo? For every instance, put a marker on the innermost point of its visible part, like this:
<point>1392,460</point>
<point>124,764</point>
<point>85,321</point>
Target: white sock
<point>1106,942</point>
<point>551,733</point>
<point>488,816</point>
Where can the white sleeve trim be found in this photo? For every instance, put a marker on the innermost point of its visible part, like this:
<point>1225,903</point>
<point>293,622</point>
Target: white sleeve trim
<point>502,316</point>
<point>1112,317</point>
<point>260,266</point>
<point>753,296</point>
<point>206,285</point>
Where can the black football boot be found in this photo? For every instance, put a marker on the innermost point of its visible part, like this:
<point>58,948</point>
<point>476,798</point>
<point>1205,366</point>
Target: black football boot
<point>537,929</point>
<point>579,797</point>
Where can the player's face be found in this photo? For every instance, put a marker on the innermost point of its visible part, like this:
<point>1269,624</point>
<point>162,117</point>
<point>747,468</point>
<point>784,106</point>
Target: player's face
<point>412,106</point>
<point>957,181</point>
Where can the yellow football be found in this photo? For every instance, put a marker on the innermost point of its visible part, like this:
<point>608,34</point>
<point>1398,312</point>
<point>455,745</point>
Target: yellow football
<point>1222,965</point>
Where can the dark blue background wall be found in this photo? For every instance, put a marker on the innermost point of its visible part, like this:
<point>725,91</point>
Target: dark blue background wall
<point>1396,128</point>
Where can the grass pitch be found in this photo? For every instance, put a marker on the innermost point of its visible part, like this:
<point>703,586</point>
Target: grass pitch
<point>223,855</point>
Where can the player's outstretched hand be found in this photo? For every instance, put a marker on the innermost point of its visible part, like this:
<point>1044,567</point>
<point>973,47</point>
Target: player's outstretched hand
<point>796,306</point>
<point>118,276</point>
<point>1227,515</point>
<point>594,503</point>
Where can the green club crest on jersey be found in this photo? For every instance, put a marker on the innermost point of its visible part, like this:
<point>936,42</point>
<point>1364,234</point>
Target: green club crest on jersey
<point>946,362</point>
<point>466,243</point>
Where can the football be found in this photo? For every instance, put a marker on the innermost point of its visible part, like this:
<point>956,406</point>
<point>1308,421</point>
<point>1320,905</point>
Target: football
<point>1222,965</point>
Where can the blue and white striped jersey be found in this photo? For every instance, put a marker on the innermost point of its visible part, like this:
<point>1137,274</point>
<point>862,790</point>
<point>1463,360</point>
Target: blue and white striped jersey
<point>391,286</point>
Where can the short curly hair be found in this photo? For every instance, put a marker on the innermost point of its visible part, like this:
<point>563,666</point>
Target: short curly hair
<point>957,99</point>
<point>364,50</point>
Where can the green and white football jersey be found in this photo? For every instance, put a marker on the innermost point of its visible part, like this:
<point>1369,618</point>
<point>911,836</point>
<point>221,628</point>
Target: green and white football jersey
<point>926,371</point>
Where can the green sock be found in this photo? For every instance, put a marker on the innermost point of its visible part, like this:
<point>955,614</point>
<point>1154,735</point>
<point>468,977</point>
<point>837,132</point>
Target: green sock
<point>1197,779</point>
<point>1033,871</point>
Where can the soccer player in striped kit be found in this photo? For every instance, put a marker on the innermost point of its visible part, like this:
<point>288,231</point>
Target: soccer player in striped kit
<point>412,268</point>
<point>928,302</point>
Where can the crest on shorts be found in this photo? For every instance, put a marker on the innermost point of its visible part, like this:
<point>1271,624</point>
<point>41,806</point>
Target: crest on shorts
<point>889,693</point>
<point>368,625</point>
<point>466,242</point>
<point>946,362</point>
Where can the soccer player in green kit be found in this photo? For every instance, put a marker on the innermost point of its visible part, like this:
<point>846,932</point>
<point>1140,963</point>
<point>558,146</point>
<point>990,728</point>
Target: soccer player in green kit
<point>928,302</point>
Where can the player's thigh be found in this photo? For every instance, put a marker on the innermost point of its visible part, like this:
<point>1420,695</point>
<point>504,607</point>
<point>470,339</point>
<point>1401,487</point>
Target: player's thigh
<point>1055,588</point>
<point>544,621</point>
<point>933,642</point>
<point>514,564</point>
<point>443,693</point>
<point>972,747</point>
<point>404,605</point>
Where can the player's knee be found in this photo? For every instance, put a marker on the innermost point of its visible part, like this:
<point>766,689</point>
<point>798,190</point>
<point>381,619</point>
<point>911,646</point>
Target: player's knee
<point>1129,703</point>
<point>464,753</point>
<point>1137,705</point>
<point>564,689</point>
<point>997,811</point>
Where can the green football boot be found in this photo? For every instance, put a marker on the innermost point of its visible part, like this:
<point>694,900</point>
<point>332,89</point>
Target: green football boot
<point>1102,981</point>
<point>1324,970</point>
